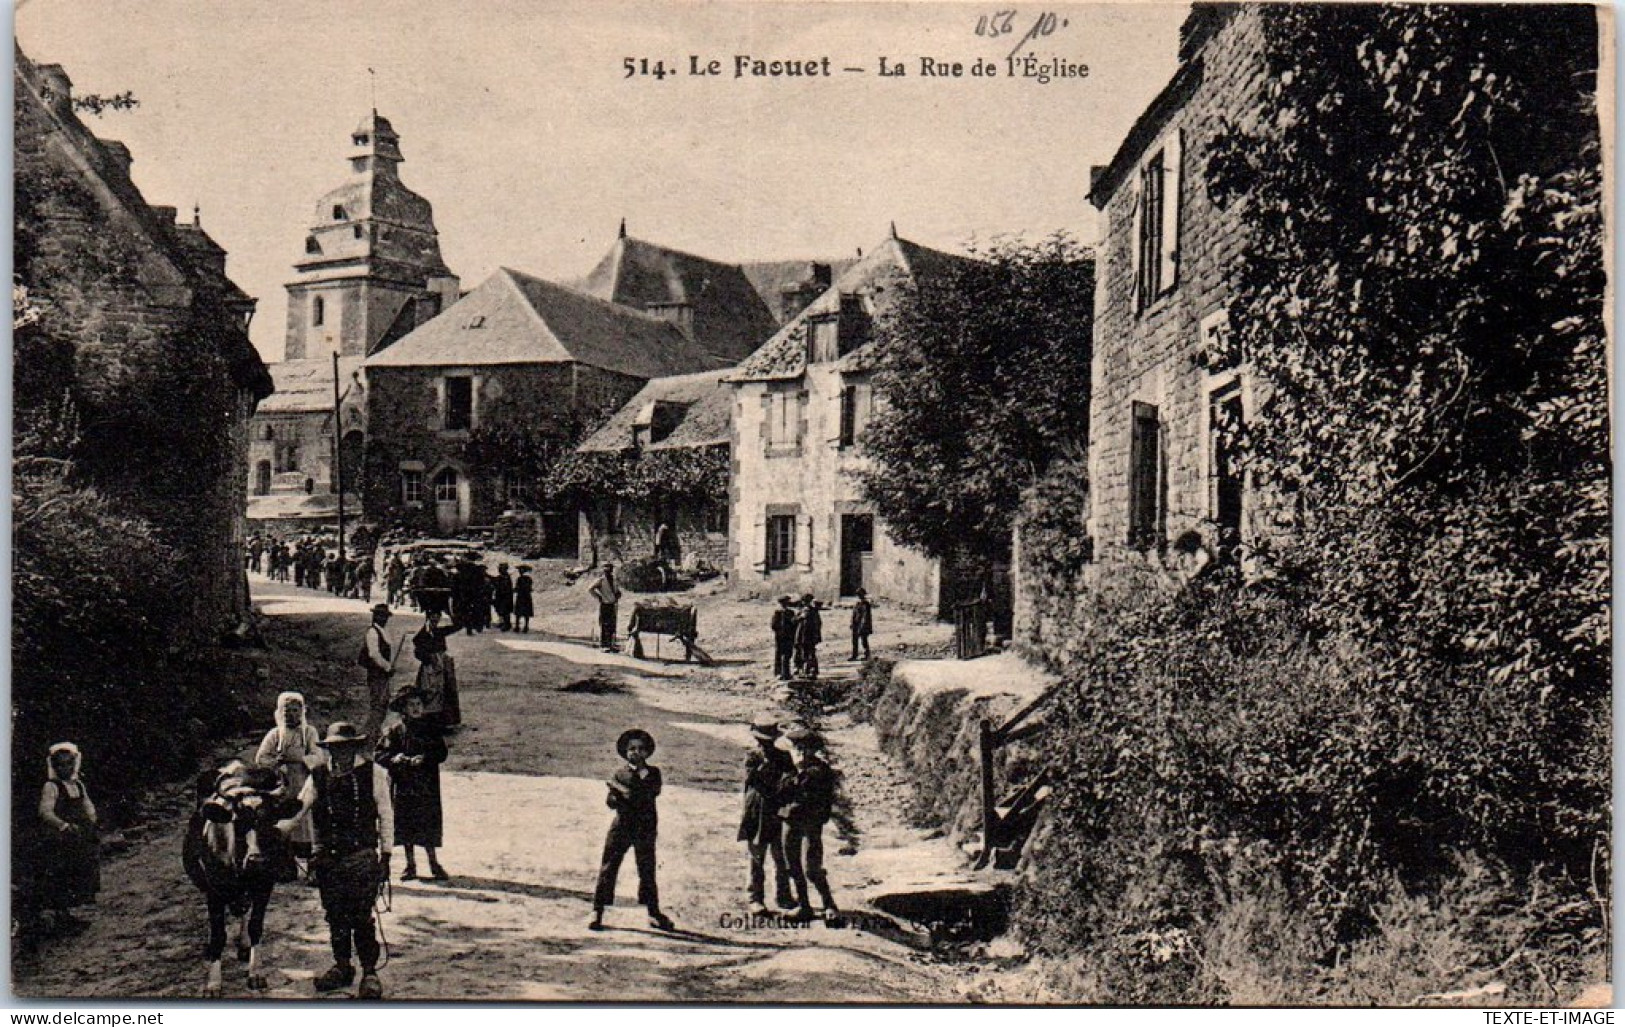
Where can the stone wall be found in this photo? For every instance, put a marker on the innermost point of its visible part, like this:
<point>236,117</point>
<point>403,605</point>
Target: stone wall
<point>404,418</point>
<point>635,539</point>
<point>1151,356</point>
<point>160,371</point>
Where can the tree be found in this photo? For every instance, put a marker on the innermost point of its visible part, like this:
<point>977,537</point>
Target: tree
<point>981,380</point>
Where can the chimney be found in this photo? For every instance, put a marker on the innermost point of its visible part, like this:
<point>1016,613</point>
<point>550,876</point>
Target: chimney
<point>119,154</point>
<point>165,214</point>
<point>57,88</point>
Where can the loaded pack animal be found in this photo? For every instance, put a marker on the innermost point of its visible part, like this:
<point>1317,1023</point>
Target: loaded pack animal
<point>236,857</point>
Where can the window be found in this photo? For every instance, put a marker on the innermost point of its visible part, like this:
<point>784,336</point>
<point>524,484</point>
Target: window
<point>1145,479</point>
<point>459,403</point>
<point>445,486</point>
<point>339,214</point>
<point>1156,225</point>
<point>823,340</point>
<point>855,400</point>
<point>1226,479</point>
<point>781,541</point>
<point>412,487</point>
<point>360,139</point>
<point>356,230</point>
<point>516,488</point>
<point>268,432</point>
<point>854,324</point>
<point>784,419</point>
<point>318,311</point>
<point>286,457</point>
<point>716,519</point>
<point>311,245</point>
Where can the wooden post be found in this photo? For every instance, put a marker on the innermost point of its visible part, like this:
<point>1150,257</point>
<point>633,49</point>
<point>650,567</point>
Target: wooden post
<point>990,814</point>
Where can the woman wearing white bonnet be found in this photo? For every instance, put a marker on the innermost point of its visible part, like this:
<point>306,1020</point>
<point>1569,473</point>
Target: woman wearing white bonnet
<point>291,749</point>
<point>70,873</point>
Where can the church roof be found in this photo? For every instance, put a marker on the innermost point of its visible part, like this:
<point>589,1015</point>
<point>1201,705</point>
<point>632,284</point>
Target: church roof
<point>705,402</point>
<point>514,318</point>
<point>729,318</point>
<point>875,277</point>
<point>306,386</point>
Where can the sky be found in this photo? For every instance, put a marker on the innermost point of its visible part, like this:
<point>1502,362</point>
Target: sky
<point>519,123</point>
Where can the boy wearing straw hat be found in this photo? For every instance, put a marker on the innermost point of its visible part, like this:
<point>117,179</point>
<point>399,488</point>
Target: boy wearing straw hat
<point>632,794</point>
<point>767,769</point>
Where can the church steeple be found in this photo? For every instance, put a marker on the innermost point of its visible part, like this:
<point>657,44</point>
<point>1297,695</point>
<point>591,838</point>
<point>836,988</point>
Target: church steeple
<point>371,250</point>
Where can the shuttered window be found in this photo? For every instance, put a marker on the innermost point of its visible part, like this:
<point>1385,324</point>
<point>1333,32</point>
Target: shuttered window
<point>781,541</point>
<point>1156,224</point>
<point>1145,479</point>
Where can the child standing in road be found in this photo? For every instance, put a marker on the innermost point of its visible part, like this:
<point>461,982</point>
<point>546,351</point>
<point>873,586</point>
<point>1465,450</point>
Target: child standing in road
<point>632,794</point>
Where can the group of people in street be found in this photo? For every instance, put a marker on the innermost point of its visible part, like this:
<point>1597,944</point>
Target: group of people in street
<point>478,599</point>
<point>308,562</point>
<point>359,795</point>
<point>789,796</point>
<point>798,630</point>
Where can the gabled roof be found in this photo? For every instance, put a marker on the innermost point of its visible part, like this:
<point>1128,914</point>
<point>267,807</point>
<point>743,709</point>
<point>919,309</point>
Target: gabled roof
<point>177,267</point>
<point>729,318</point>
<point>876,278</point>
<point>513,318</point>
<point>705,402</point>
<point>306,386</point>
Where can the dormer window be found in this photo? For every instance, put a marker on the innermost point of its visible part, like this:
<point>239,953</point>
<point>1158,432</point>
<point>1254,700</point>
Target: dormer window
<point>823,339</point>
<point>360,139</point>
<point>311,245</point>
<point>339,213</point>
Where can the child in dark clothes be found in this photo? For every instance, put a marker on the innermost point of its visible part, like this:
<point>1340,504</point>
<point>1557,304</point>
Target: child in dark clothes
<point>632,794</point>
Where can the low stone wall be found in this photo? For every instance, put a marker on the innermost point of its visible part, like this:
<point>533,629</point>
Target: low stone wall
<point>928,718</point>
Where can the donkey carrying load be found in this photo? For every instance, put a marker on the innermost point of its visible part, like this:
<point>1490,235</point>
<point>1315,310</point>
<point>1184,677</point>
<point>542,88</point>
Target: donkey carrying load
<point>235,856</point>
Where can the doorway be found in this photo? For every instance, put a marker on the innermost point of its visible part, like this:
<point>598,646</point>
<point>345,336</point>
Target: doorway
<point>449,490</point>
<point>857,548</point>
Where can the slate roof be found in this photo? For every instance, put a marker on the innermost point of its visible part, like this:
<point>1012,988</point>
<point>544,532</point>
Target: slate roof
<point>772,279</point>
<point>875,277</point>
<point>706,402</point>
<point>306,386</point>
<point>514,318</point>
<point>730,318</point>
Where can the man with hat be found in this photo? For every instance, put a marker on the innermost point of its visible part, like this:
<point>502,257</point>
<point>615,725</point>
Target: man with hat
<point>377,657</point>
<point>808,801</point>
<point>632,794</point>
<point>784,637</point>
<point>863,624</point>
<point>809,632</point>
<point>608,594</point>
<point>349,805</point>
<point>768,769</point>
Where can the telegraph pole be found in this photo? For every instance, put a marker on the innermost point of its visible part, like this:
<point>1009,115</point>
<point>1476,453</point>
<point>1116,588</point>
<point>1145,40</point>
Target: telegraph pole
<point>338,463</point>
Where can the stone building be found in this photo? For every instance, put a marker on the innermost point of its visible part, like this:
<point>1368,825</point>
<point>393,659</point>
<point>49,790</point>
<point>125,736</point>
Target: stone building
<point>1159,463</point>
<point>135,319</point>
<point>518,357</point>
<point>800,406</point>
<point>291,479</point>
<point>683,414</point>
<point>371,270</point>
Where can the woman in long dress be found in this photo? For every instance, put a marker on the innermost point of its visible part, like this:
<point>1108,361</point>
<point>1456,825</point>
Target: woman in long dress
<point>69,870</point>
<point>524,607</point>
<point>437,671</point>
<point>292,748</point>
<point>412,751</point>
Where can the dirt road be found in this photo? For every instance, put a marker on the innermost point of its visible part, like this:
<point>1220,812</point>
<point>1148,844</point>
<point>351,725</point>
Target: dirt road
<point>525,817</point>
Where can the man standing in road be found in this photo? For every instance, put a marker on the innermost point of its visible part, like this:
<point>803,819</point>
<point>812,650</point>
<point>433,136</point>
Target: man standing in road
<point>377,657</point>
<point>502,597</point>
<point>608,594</point>
<point>768,769</point>
<point>784,637</point>
<point>863,624</point>
<point>349,804</point>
